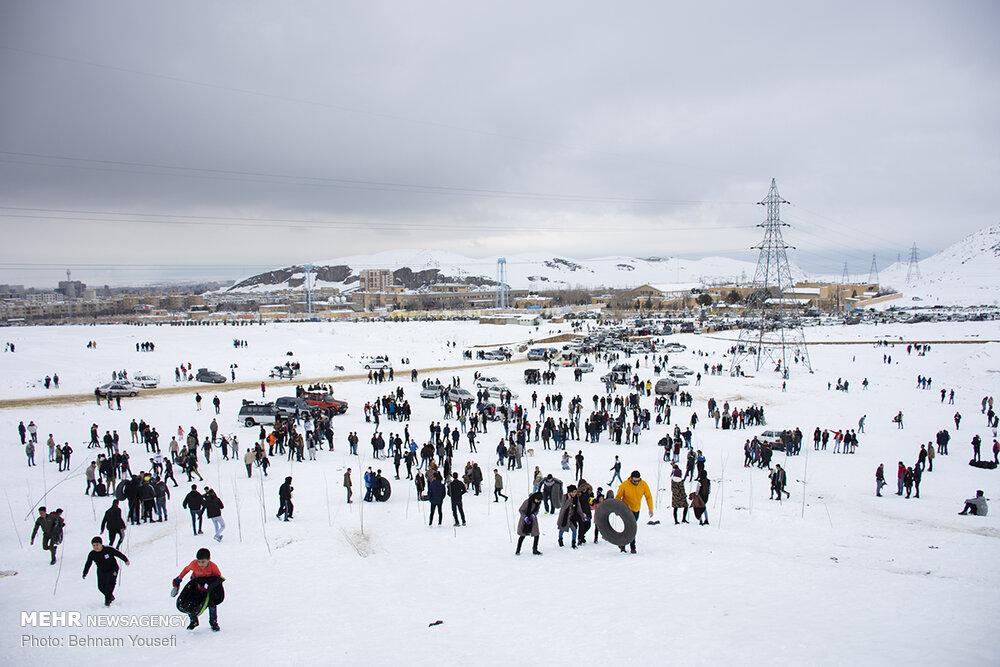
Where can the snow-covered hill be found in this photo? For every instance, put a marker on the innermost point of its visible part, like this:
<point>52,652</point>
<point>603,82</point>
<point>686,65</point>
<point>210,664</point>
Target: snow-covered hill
<point>966,273</point>
<point>538,271</point>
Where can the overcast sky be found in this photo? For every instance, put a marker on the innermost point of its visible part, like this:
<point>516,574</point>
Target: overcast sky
<point>577,128</point>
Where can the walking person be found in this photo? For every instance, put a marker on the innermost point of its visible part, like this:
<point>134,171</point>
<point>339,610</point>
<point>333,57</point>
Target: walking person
<point>285,506</point>
<point>194,502</point>
<point>106,561</point>
<point>631,493</point>
<point>348,485</point>
<point>213,507</point>
<point>208,579</point>
<point>528,522</point>
<point>616,471</point>
<point>114,524</point>
<point>498,487</point>
<point>51,524</point>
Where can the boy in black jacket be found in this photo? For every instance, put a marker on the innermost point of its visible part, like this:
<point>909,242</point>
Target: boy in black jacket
<point>107,568</point>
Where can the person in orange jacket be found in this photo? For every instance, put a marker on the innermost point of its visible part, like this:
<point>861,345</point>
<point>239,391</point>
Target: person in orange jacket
<point>631,492</point>
<point>207,574</point>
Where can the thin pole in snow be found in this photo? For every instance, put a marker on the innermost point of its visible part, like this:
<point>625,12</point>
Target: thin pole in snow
<point>13,524</point>
<point>722,492</point>
<point>326,488</point>
<point>59,571</point>
<point>805,474</point>
<point>263,522</point>
<point>507,520</point>
<point>239,521</point>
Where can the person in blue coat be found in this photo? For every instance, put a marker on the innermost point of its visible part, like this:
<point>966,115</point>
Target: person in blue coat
<point>435,494</point>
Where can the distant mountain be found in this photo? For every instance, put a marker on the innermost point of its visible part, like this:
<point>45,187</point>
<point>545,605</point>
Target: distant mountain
<point>966,273</point>
<point>532,271</point>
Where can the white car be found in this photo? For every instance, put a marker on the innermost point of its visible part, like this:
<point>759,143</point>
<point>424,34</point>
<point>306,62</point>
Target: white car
<point>118,388</point>
<point>486,380</point>
<point>679,371</point>
<point>585,367</point>
<point>146,381</point>
<point>495,389</point>
<point>378,365</point>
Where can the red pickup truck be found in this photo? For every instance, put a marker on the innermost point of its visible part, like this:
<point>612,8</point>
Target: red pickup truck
<point>325,402</point>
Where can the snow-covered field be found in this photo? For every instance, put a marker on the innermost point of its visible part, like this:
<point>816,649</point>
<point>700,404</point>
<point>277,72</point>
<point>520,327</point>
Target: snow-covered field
<point>318,347</point>
<point>843,577</point>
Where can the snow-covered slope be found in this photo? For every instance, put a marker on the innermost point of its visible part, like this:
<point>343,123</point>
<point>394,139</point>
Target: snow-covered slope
<point>416,269</point>
<point>963,274</point>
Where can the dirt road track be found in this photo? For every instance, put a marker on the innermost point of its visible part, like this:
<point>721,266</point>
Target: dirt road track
<point>191,388</point>
<point>873,342</point>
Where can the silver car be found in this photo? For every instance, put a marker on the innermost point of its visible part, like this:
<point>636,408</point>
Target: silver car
<point>118,388</point>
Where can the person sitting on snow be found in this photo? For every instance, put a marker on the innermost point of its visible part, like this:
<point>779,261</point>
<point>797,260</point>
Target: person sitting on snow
<point>977,506</point>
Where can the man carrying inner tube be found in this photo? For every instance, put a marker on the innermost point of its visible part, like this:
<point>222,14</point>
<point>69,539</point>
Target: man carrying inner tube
<point>631,492</point>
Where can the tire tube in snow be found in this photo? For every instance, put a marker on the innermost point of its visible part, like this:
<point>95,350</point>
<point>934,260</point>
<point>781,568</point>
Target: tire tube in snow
<point>382,490</point>
<point>621,510</point>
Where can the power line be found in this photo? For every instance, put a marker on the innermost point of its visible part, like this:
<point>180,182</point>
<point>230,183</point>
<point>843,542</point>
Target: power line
<point>273,223</point>
<point>338,107</point>
<point>344,183</point>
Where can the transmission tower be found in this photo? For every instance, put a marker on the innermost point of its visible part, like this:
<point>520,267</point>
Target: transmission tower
<point>308,285</point>
<point>913,270</point>
<point>873,272</point>
<point>503,290</point>
<point>771,329</point>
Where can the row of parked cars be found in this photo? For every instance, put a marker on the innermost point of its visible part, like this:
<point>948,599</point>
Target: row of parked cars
<point>131,387</point>
<point>253,413</point>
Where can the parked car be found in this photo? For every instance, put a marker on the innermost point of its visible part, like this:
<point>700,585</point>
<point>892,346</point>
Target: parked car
<point>325,402</point>
<point>585,367</point>
<point>118,388</point>
<point>288,405</point>
<point>286,371</point>
<point>666,386</point>
<point>494,355</point>
<point>537,354</point>
<point>252,413</point>
<point>378,365</point>
<point>776,439</point>
<point>675,371</point>
<point>459,395</point>
<point>495,389</point>
<point>532,376</point>
<point>431,391</point>
<point>145,381</point>
<point>486,380</point>
<point>205,375</point>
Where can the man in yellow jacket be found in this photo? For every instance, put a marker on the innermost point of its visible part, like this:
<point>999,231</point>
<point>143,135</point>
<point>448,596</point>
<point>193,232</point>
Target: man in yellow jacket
<point>631,492</point>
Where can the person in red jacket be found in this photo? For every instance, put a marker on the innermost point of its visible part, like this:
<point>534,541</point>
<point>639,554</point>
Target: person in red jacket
<point>207,575</point>
<point>900,474</point>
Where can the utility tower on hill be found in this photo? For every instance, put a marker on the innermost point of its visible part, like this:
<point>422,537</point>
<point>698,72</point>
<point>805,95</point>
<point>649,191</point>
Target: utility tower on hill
<point>913,269</point>
<point>503,290</point>
<point>771,328</point>
<point>873,272</point>
<point>307,285</point>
